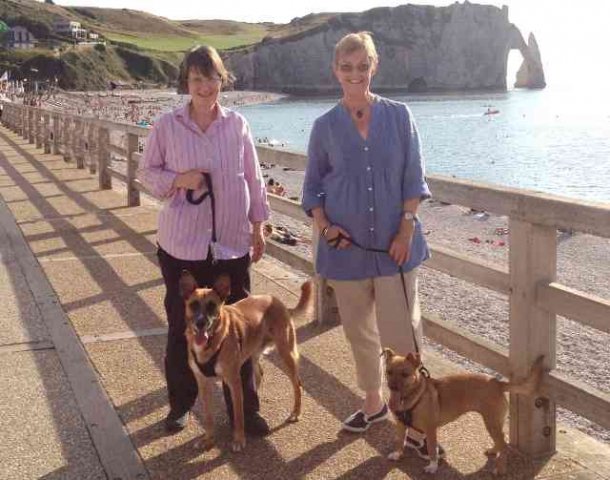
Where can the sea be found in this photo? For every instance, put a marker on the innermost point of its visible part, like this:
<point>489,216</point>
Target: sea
<point>552,141</point>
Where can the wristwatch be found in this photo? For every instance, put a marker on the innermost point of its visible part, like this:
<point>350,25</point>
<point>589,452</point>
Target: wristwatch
<point>409,215</point>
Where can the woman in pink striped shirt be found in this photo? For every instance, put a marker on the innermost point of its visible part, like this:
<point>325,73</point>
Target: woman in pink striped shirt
<point>204,137</point>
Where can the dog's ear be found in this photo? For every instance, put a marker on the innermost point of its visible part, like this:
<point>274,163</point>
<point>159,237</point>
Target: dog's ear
<point>188,284</point>
<point>387,354</point>
<point>414,359</point>
<point>222,286</point>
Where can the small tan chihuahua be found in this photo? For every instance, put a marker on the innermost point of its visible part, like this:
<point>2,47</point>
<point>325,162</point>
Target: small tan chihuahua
<point>426,403</point>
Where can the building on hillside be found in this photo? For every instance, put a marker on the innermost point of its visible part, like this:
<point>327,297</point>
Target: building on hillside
<point>70,28</point>
<point>20,37</point>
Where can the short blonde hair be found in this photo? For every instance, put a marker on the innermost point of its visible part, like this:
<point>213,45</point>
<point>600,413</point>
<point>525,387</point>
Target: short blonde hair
<point>353,42</point>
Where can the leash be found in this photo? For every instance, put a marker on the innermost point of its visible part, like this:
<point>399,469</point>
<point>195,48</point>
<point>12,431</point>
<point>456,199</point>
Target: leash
<point>334,243</point>
<point>197,201</point>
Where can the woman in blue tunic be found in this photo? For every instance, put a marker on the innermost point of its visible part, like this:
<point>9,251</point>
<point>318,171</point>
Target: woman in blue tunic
<point>363,185</point>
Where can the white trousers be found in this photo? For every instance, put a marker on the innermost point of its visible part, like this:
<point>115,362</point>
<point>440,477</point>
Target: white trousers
<point>374,315</point>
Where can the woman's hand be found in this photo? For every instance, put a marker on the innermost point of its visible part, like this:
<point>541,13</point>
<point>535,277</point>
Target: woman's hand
<point>331,235</point>
<point>189,180</point>
<point>258,241</point>
<point>400,248</point>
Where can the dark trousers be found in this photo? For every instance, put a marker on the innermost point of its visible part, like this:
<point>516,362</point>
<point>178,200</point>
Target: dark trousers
<point>181,383</point>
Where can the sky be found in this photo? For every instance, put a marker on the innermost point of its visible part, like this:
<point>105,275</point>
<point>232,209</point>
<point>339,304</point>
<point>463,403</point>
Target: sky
<point>574,37</point>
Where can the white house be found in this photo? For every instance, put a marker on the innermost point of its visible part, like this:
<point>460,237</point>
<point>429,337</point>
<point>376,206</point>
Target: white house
<point>70,28</point>
<point>20,37</point>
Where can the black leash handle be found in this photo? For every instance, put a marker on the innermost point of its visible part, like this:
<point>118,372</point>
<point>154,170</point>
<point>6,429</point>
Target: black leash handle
<point>197,201</point>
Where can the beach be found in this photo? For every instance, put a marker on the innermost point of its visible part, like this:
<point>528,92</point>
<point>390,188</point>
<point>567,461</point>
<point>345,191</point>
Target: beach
<point>142,107</point>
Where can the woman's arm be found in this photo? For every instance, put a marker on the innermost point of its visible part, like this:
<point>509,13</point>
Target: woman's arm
<point>152,170</point>
<point>259,205</point>
<point>414,182</point>
<point>317,168</point>
<point>313,192</point>
<point>414,190</point>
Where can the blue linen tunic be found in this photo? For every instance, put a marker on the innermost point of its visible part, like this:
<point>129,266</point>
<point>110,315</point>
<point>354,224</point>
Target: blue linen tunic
<point>362,185</point>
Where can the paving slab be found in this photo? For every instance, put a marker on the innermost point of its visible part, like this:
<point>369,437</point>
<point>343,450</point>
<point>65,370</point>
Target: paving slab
<point>43,432</point>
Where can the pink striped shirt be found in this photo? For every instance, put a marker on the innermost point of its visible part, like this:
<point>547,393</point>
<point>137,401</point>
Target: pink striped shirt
<point>226,150</point>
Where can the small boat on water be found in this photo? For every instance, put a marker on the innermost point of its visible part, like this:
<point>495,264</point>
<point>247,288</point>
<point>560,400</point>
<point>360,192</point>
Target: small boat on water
<point>491,111</point>
<point>270,142</point>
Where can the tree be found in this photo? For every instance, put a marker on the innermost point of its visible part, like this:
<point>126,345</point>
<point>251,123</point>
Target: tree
<point>4,28</point>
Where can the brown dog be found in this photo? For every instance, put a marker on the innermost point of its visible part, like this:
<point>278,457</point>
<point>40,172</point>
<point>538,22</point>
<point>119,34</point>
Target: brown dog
<point>227,335</point>
<point>429,403</point>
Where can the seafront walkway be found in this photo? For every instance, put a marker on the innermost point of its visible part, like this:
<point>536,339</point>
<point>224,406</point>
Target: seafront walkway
<point>82,393</point>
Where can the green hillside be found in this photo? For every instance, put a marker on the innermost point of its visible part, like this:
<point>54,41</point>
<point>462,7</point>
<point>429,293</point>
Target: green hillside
<point>132,52</point>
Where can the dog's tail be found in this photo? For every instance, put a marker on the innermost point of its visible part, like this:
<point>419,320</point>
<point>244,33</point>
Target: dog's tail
<point>530,384</point>
<point>304,302</point>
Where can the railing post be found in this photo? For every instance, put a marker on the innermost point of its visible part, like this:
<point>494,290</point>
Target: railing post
<point>79,156</point>
<point>532,261</point>
<point>20,115</point>
<point>56,131</point>
<point>103,158</point>
<point>32,124</point>
<point>91,158</point>
<point>39,127</point>
<point>47,132</point>
<point>133,194</point>
<point>25,132</point>
<point>15,118</point>
<point>326,310</point>
<point>66,138</point>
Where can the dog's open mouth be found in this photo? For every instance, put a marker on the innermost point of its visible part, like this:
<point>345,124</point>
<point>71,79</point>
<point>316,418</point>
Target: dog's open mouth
<point>201,338</point>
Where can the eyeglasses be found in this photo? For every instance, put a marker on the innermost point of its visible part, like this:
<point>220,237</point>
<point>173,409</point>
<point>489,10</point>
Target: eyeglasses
<point>201,80</point>
<point>349,68</point>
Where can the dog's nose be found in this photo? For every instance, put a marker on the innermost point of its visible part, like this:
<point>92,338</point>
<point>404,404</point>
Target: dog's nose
<point>199,322</point>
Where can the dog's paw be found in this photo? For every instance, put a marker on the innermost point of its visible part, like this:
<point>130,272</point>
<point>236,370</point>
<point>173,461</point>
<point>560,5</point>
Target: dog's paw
<point>395,456</point>
<point>432,467</point>
<point>238,445</point>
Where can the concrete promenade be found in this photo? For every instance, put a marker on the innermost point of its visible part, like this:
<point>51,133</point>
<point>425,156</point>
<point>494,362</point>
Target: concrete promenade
<point>82,334</point>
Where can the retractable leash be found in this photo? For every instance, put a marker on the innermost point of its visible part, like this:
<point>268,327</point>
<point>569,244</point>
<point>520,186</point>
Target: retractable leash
<point>334,243</point>
<point>197,201</point>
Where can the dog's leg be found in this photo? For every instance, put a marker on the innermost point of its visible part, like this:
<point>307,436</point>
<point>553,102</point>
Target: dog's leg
<point>205,396</point>
<point>237,397</point>
<point>401,430</point>
<point>287,348</point>
<point>258,372</point>
<point>432,467</point>
<point>494,422</point>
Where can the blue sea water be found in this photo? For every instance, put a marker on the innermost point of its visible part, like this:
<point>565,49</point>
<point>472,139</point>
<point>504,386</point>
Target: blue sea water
<point>551,141</point>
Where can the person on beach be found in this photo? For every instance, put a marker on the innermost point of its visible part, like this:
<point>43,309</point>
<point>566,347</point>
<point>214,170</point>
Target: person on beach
<point>204,137</point>
<point>363,185</point>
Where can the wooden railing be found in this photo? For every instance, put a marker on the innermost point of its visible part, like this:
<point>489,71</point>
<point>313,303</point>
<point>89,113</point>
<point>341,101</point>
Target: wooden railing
<point>535,297</point>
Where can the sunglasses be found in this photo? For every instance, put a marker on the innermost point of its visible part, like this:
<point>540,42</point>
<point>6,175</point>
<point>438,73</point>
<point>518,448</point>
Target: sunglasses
<point>349,68</point>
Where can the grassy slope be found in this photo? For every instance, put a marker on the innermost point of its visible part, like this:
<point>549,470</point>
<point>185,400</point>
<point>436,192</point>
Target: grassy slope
<point>134,27</point>
<point>181,43</point>
<point>138,53</point>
